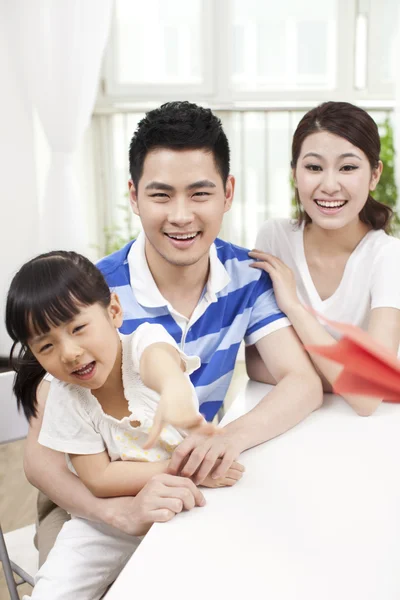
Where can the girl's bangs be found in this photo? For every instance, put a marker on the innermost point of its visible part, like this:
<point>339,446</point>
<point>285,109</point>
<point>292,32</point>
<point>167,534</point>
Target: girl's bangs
<point>49,291</point>
<point>40,316</point>
<point>34,314</point>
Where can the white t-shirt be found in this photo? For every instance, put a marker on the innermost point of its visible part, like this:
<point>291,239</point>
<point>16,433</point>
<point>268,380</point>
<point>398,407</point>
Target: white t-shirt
<point>75,423</point>
<point>371,278</point>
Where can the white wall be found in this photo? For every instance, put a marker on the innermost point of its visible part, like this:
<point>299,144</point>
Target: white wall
<point>18,189</point>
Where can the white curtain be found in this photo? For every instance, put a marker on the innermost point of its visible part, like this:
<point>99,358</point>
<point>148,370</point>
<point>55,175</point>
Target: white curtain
<point>61,45</point>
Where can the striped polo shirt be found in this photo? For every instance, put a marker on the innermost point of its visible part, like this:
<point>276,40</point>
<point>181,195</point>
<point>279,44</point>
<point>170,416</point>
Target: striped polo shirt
<point>237,303</point>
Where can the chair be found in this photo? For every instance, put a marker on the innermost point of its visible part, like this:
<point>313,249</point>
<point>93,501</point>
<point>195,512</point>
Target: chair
<point>17,552</point>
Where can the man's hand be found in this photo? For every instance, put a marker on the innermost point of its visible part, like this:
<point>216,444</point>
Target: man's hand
<point>197,455</point>
<point>234,474</point>
<point>159,501</point>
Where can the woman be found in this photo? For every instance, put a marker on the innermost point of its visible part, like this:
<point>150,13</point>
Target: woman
<point>338,258</point>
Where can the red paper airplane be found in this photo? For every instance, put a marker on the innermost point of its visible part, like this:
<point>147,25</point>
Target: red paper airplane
<point>370,369</point>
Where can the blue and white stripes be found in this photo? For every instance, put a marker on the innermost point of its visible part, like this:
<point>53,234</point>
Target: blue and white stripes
<point>245,308</point>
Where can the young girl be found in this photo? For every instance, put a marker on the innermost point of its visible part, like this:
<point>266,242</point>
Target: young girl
<point>109,392</point>
<point>338,258</point>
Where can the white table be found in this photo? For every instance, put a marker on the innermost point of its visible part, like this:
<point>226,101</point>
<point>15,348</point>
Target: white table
<point>316,517</point>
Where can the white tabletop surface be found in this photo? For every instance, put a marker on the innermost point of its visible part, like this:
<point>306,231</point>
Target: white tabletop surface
<point>315,517</point>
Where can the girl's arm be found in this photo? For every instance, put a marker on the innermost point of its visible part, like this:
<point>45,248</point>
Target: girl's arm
<point>384,326</point>
<point>162,370</point>
<point>47,470</point>
<point>106,479</point>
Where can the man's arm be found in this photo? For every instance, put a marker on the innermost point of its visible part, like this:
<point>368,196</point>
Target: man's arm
<point>47,470</point>
<point>160,499</point>
<point>257,371</point>
<point>298,392</point>
<point>256,367</point>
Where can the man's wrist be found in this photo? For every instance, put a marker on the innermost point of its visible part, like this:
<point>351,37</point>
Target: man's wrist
<point>101,511</point>
<point>235,437</point>
<point>108,511</point>
<point>111,513</point>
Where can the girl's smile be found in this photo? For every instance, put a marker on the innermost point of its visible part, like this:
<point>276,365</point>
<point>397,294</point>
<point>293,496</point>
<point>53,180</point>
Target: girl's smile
<point>86,371</point>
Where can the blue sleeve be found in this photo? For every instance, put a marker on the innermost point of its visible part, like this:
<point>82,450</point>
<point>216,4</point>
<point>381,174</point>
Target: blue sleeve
<point>265,317</point>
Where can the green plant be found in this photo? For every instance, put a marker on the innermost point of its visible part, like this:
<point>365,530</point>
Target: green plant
<point>386,190</point>
<point>117,236</point>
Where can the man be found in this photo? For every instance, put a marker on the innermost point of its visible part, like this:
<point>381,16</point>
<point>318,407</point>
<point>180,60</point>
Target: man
<point>201,290</point>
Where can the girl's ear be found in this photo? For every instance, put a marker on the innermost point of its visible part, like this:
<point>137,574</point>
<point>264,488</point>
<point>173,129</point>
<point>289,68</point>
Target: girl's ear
<point>375,176</point>
<point>115,311</point>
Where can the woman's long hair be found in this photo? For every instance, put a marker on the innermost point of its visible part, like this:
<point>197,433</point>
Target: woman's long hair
<point>358,127</point>
<point>47,291</point>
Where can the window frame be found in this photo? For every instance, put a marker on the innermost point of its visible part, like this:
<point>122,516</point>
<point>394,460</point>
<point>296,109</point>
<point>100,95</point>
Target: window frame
<point>113,91</point>
<point>217,60</point>
<point>375,86</point>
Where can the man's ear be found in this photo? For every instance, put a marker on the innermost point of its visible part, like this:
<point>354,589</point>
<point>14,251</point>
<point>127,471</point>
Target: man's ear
<point>115,311</point>
<point>229,192</point>
<point>133,197</point>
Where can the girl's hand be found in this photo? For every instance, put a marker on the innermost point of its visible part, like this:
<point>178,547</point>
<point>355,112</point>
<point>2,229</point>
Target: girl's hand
<point>176,407</point>
<point>234,474</point>
<point>282,279</point>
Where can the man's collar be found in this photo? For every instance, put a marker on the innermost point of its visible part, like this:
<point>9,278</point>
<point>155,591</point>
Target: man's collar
<point>142,282</point>
<point>218,277</point>
<point>145,288</point>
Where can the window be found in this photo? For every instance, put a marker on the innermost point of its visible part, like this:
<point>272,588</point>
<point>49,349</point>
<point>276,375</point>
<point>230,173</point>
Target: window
<point>269,50</point>
<point>159,46</point>
<point>224,51</point>
<point>260,64</point>
<point>383,26</point>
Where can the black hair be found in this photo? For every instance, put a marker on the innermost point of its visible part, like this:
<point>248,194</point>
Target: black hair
<point>47,291</point>
<point>179,126</point>
<point>358,127</point>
